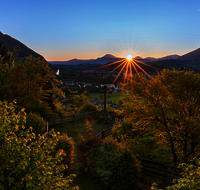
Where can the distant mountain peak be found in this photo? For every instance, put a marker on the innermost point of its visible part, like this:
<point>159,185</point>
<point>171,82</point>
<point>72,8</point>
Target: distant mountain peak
<point>149,58</point>
<point>108,56</point>
<point>138,57</point>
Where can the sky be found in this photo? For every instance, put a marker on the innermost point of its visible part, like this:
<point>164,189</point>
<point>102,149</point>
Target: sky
<point>84,29</point>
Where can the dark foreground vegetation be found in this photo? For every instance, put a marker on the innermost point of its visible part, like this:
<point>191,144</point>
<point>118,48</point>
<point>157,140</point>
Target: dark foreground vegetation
<point>161,123</point>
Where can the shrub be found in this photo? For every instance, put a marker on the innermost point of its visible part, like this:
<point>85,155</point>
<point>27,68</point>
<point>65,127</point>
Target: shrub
<point>24,164</point>
<point>123,131</point>
<point>142,143</point>
<point>87,141</point>
<point>36,122</point>
<point>87,107</point>
<point>110,109</point>
<point>148,147</point>
<point>66,144</point>
<point>41,108</point>
<point>83,148</point>
<point>114,165</point>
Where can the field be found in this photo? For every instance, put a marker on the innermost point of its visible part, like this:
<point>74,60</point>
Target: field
<point>114,96</point>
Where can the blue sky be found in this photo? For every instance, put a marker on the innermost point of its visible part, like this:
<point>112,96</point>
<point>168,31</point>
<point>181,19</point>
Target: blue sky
<point>67,29</point>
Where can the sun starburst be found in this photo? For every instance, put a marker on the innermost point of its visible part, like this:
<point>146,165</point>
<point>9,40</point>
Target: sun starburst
<point>129,57</point>
<point>127,65</point>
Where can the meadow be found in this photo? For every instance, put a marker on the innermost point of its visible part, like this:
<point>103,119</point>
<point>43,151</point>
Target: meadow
<point>114,96</point>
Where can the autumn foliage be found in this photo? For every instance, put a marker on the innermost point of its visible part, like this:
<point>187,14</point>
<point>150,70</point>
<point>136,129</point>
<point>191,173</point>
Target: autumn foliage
<point>24,164</point>
<point>168,105</point>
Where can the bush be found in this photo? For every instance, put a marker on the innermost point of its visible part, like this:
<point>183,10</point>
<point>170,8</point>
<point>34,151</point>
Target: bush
<point>123,131</point>
<point>148,147</point>
<point>87,107</point>
<point>24,164</point>
<point>42,109</point>
<point>66,144</point>
<point>114,165</point>
<point>144,144</point>
<point>36,122</point>
<point>83,148</point>
<point>87,141</point>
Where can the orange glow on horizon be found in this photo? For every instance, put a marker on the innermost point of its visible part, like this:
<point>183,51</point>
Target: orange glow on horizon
<point>62,56</point>
<point>127,63</point>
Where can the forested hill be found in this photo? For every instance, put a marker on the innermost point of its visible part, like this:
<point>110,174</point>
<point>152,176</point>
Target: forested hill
<point>10,43</point>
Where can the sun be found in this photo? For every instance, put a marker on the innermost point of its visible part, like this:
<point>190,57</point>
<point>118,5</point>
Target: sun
<point>129,57</point>
<point>128,66</point>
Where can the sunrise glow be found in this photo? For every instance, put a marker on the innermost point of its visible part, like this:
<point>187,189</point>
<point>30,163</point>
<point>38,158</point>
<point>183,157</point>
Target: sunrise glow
<point>129,57</point>
<point>129,66</point>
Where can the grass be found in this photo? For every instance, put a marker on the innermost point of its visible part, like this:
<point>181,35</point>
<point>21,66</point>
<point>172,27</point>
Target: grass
<point>114,96</point>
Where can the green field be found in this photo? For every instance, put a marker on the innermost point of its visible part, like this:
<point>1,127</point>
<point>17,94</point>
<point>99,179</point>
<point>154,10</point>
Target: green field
<point>114,96</point>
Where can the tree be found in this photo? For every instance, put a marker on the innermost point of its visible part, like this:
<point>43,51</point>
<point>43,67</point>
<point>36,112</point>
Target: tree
<point>76,101</point>
<point>32,84</point>
<point>169,105</point>
<point>87,107</point>
<point>4,54</point>
<point>24,164</point>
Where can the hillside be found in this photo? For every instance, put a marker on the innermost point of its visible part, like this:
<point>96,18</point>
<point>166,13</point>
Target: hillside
<point>191,56</point>
<point>10,43</point>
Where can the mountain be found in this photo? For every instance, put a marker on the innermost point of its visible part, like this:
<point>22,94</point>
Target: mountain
<point>175,56</point>
<point>105,59</point>
<point>138,57</point>
<point>108,56</point>
<point>100,60</point>
<point>150,59</point>
<point>10,43</point>
<point>191,56</point>
<point>70,62</point>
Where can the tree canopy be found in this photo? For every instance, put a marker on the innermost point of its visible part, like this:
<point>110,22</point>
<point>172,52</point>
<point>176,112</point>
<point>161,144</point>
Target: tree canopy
<point>32,83</point>
<point>169,105</point>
